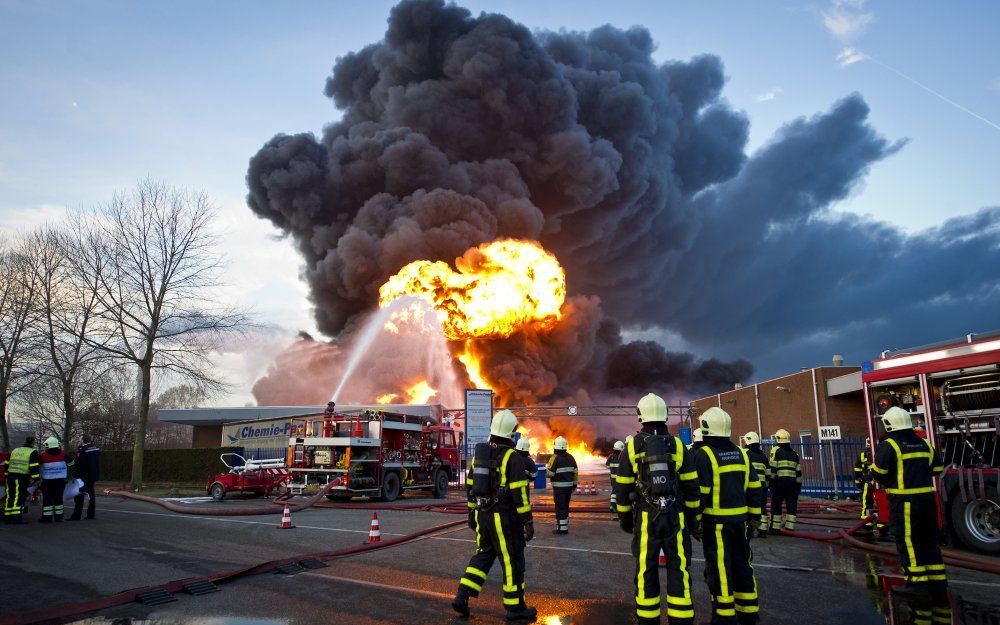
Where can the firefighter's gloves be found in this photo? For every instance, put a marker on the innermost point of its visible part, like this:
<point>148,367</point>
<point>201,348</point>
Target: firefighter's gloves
<point>696,530</point>
<point>627,523</point>
<point>472,521</point>
<point>529,531</point>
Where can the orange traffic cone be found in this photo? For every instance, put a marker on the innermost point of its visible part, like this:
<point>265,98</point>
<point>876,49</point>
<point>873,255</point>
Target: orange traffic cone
<point>286,519</point>
<point>593,489</point>
<point>374,535</point>
<point>663,558</point>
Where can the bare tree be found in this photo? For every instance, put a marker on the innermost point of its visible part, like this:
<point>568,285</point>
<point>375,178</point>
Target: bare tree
<point>157,279</point>
<point>68,304</point>
<point>18,315</point>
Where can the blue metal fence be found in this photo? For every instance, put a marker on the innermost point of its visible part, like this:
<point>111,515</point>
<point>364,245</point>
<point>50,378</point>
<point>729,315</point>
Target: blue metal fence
<point>827,466</point>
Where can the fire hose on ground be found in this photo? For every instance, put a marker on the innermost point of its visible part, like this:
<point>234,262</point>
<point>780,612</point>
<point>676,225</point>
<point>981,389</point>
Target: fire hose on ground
<point>128,596</point>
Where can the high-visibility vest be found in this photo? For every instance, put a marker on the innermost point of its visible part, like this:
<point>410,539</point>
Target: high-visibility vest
<point>19,461</point>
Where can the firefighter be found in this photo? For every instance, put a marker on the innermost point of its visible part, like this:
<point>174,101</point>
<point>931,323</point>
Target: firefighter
<point>88,469</point>
<point>612,464</point>
<point>905,465</point>
<point>866,487</point>
<point>530,468</point>
<point>731,507</point>
<point>657,493</point>
<point>22,470</point>
<point>500,515</point>
<point>760,464</point>
<point>786,482</point>
<point>55,469</point>
<point>562,471</point>
<point>697,441</point>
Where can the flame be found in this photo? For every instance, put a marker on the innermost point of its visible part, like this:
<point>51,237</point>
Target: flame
<point>495,290</point>
<point>420,393</point>
<point>579,450</point>
<point>388,398</point>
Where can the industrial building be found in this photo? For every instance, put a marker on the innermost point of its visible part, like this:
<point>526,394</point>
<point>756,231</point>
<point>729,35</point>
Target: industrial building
<point>799,402</point>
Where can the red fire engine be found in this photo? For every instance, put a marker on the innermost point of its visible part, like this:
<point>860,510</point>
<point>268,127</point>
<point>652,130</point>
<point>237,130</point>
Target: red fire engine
<point>381,453</point>
<point>952,391</point>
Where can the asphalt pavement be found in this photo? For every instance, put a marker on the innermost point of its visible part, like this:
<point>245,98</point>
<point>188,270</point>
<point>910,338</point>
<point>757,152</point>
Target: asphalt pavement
<point>584,578</point>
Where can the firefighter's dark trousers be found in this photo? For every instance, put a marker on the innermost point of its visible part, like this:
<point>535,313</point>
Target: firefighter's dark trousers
<point>17,494</point>
<point>52,499</point>
<point>916,531</point>
<point>765,520</point>
<point>88,490</point>
<point>784,491</point>
<point>560,498</point>
<point>651,534</point>
<point>499,536</point>
<point>729,569</point>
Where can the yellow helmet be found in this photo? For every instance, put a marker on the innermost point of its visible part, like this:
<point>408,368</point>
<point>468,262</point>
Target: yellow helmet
<point>503,425</point>
<point>51,443</point>
<point>750,438</point>
<point>652,409</point>
<point>619,445</point>
<point>782,436</point>
<point>560,444</point>
<point>716,422</point>
<point>896,418</point>
<point>696,436</point>
<point>524,444</point>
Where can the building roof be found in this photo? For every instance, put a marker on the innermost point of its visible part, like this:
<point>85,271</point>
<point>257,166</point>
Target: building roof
<point>843,385</point>
<point>221,416</point>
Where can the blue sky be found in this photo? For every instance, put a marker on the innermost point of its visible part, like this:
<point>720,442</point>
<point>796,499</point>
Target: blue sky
<point>94,96</point>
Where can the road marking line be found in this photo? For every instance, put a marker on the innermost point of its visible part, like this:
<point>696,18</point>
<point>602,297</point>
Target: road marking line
<point>390,587</point>
<point>761,565</point>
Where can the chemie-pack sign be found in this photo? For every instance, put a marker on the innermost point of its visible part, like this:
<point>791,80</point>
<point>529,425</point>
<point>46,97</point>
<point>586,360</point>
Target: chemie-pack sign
<point>257,434</point>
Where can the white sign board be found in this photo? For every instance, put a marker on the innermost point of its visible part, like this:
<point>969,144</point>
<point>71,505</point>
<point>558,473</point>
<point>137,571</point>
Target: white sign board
<point>478,415</point>
<point>829,433</point>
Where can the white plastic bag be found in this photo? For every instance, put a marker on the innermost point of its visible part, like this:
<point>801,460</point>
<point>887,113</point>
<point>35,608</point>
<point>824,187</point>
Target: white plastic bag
<point>72,489</point>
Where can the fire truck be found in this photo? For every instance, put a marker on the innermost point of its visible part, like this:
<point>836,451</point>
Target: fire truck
<point>380,453</point>
<point>952,391</point>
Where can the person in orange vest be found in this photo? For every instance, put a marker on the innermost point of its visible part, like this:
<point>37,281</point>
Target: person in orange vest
<point>22,470</point>
<point>55,469</point>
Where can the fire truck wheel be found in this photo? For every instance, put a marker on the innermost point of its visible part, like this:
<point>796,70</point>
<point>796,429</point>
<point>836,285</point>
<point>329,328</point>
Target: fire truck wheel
<point>390,486</point>
<point>977,523</point>
<point>218,492</point>
<point>440,483</point>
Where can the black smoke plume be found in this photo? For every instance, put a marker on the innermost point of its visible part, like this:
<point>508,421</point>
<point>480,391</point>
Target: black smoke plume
<point>457,130</point>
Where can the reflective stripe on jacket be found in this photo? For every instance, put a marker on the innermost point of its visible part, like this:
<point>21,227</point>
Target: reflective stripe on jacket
<point>906,464</point>
<point>23,461</point>
<point>728,482</point>
<point>54,465</point>
<point>785,463</point>
<point>561,470</point>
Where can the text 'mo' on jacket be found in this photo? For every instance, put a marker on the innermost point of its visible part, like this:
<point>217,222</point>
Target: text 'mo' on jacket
<point>627,476</point>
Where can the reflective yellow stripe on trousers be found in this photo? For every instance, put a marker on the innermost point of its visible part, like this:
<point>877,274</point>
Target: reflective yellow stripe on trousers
<point>645,607</point>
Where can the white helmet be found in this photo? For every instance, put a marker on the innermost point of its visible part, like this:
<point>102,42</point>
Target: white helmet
<point>716,422</point>
<point>652,409</point>
<point>896,419</point>
<point>524,444</point>
<point>696,436</point>
<point>503,425</point>
<point>619,445</point>
<point>51,443</point>
<point>751,438</point>
<point>628,439</point>
<point>560,444</point>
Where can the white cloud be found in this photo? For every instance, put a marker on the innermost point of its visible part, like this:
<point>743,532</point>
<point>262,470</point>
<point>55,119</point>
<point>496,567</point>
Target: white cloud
<point>847,20</point>
<point>769,95</point>
<point>20,219</point>
<point>850,56</point>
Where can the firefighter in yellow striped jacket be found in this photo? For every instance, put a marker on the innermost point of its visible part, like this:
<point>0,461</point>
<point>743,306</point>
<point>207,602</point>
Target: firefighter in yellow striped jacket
<point>656,488</point>
<point>500,515</point>
<point>905,465</point>
<point>786,482</point>
<point>731,507</point>
<point>759,461</point>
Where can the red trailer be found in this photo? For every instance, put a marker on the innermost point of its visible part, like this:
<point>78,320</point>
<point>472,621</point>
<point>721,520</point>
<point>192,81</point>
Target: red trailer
<point>952,391</point>
<point>257,477</point>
